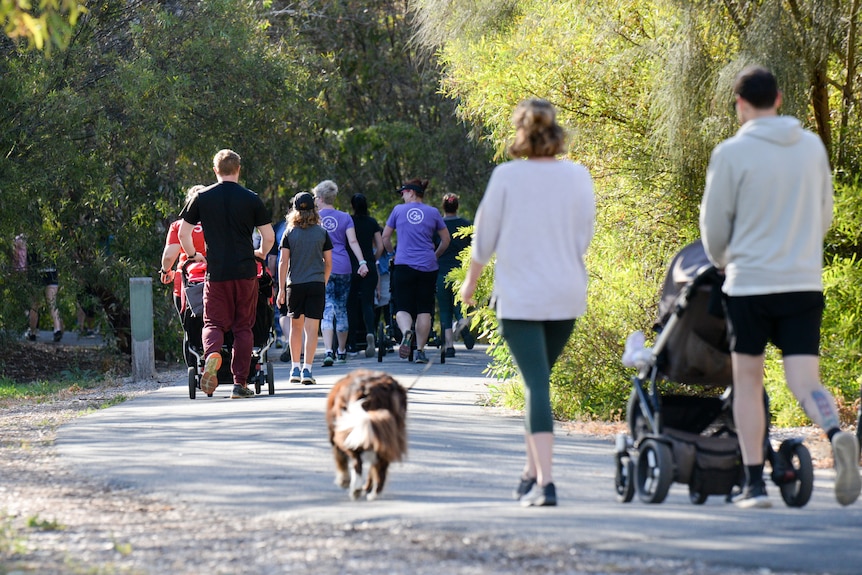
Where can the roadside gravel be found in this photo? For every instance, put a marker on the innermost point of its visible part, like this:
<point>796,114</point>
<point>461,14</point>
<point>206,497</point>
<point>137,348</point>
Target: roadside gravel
<point>53,520</point>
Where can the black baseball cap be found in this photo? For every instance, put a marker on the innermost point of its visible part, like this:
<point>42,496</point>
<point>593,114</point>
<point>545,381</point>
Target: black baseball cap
<point>303,201</point>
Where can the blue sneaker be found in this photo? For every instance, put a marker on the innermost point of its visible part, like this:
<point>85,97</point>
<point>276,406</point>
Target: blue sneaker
<point>295,376</point>
<point>306,377</point>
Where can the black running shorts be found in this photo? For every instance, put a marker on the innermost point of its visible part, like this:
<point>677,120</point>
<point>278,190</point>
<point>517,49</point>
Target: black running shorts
<point>789,320</point>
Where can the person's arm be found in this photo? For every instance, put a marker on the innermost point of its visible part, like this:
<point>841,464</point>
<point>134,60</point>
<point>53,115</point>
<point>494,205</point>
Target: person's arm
<point>357,251</point>
<point>188,244</point>
<point>169,258</point>
<point>327,265</point>
<point>387,239</point>
<point>468,288</point>
<point>717,209</point>
<point>445,238</point>
<point>267,238</point>
<point>378,246</point>
<point>283,265</point>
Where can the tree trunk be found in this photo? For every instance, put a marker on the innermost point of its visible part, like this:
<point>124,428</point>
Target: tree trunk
<point>820,103</point>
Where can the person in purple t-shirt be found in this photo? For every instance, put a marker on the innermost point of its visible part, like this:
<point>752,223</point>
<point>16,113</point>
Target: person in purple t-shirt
<point>415,271</point>
<point>339,225</point>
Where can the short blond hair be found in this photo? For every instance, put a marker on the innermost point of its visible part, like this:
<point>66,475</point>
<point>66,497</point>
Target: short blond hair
<point>227,162</point>
<point>326,191</point>
<point>537,134</point>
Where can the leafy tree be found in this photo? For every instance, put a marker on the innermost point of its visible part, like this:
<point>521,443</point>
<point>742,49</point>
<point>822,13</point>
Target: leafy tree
<point>644,87</point>
<point>49,25</point>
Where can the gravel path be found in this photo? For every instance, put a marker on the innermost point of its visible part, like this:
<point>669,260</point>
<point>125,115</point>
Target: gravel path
<point>53,520</point>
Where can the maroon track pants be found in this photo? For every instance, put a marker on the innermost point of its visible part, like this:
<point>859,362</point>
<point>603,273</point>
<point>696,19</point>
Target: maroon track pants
<point>231,306</point>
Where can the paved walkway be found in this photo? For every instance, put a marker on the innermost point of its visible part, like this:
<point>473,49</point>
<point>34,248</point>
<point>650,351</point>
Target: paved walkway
<point>270,456</point>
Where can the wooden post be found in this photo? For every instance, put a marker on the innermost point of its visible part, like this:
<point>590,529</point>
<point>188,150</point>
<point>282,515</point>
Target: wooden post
<point>143,347</point>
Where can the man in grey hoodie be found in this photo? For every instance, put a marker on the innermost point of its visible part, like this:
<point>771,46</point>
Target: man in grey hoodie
<point>765,211</point>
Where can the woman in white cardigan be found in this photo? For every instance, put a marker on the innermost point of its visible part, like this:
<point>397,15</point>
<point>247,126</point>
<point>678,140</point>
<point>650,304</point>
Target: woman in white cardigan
<point>538,216</point>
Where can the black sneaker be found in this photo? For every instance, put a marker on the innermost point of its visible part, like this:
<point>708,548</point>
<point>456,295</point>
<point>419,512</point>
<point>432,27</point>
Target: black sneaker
<point>523,487</point>
<point>328,359</point>
<point>754,497</point>
<point>540,496</point>
<point>468,337</point>
<point>31,336</point>
<point>58,335</point>
<point>450,352</point>
<point>341,357</point>
<point>240,392</point>
<point>420,357</point>
<point>285,356</point>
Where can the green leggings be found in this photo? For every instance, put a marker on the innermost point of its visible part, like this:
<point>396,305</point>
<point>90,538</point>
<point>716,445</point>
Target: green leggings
<point>536,345</point>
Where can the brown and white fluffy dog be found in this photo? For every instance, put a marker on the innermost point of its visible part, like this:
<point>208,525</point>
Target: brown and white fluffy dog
<point>366,414</point>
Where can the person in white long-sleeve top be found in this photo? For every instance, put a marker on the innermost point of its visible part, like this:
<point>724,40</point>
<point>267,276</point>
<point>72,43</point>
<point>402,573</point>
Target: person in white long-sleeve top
<point>538,216</point>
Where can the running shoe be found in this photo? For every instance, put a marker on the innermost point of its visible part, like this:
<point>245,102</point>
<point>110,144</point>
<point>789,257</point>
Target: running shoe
<point>420,357</point>
<point>404,349</point>
<point>209,379</point>
<point>328,359</point>
<point>754,497</point>
<point>540,496</point>
<point>295,375</point>
<point>369,345</point>
<point>524,487</point>
<point>241,392</point>
<point>307,379</point>
<point>848,483</point>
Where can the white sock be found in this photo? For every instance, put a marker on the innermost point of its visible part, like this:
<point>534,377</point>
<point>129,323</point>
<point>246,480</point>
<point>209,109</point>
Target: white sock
<point>306,366</point>
<point>294,365</point>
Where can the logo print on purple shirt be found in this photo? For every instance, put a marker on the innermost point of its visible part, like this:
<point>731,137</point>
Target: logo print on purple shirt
<point>329,223</point>
<point>415,216</point>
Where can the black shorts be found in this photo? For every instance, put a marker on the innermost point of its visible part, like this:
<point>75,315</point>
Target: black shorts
<point>305,300</point>
<point>414,290</point>
<point>789,320</point>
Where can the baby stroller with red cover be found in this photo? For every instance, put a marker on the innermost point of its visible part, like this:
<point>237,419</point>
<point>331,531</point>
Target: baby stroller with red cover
<point>261,369</point>
<point>690,437</point>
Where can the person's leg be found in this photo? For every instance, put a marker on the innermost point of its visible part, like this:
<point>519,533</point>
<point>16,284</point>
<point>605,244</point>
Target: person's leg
<point>218,317</point>
<point>366,301</point>
<point>445,307</point>
<point>243,336</point>
<point>51,298</point>
<point>426,284</point>
<point>423,329</point>
<point>297,324</point>
<point>803,378</point>
<point>526,341</point>
<point>311,326</point>
<point>328,322</point>
<point>342,326</point>
<point>749,412</point>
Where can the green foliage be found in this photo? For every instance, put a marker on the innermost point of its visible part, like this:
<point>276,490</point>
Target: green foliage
<point>49,26</point>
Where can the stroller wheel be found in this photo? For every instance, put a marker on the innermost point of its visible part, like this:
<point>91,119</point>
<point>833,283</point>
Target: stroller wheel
<point>654,471</point>
<point>793,472</point>
<point>270,378</point>
<point>381,342</point>
<point>193,383</point>
<point>625,478</point>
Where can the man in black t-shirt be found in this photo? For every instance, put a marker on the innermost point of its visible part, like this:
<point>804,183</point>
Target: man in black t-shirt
<point>228,213</point>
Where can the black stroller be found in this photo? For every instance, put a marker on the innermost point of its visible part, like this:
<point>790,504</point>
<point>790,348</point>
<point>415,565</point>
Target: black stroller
<point>261,369</point>
<point>685,437</point>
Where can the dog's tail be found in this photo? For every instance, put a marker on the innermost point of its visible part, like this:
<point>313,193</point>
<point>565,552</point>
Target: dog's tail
<point>377,430</point>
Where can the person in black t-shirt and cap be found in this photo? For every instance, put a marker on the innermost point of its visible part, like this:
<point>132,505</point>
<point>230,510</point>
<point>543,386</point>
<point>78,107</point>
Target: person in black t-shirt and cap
<point>229,213</point>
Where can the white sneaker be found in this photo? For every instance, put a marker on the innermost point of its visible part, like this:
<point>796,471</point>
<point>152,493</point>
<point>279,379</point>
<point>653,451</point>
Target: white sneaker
<point>848,483</point>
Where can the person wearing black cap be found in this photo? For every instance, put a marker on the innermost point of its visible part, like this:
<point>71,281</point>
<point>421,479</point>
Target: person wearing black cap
<point>303,270</point>
<point>416,267</point>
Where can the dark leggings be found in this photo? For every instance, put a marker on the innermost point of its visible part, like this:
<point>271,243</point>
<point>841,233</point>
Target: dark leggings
<point>536,345</point>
